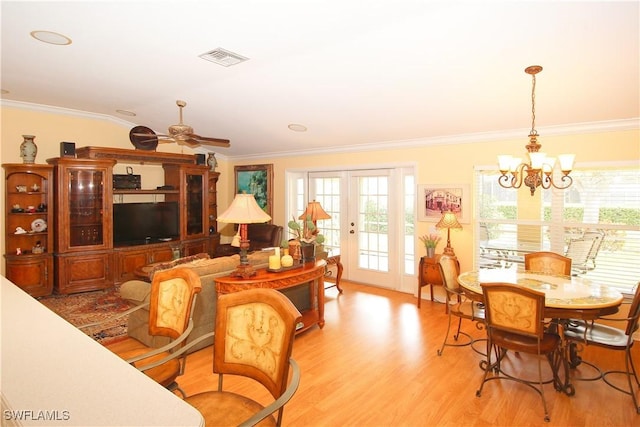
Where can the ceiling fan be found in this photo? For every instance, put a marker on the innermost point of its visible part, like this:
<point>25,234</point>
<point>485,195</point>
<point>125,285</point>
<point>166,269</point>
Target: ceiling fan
<point>146,139</point>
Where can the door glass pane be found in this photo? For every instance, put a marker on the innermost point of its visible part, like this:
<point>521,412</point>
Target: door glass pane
<point>409,224</point>
<point>85,207</point>
<point>373,213</point>
<point>327,192</point>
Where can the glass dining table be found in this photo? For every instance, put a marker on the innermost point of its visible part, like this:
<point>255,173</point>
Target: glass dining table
<point>566,298</point>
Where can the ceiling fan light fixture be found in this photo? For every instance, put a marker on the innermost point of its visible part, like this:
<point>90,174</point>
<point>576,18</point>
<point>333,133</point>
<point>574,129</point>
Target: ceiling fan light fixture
<point>223,57</point>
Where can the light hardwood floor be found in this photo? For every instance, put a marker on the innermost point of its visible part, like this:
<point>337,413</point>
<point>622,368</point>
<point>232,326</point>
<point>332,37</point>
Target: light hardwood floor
<point>375,363</point>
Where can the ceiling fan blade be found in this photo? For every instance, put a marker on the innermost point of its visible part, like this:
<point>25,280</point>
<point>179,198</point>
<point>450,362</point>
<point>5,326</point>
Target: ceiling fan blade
<point>219,142</point>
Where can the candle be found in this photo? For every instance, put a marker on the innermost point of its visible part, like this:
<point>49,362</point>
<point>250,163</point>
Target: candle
<point>278,252</point>
<point>286,260</point>
<point>274,262</point>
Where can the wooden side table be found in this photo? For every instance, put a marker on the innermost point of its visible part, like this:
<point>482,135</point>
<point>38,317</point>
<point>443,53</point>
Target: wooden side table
<point>335,260</point>
<point>429,274</point>
<point>309,301</point>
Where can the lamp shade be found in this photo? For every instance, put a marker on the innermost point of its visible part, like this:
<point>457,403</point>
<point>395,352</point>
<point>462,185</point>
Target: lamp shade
<point>315,212</point>
<point>244,210</point>
<point>448,220</point>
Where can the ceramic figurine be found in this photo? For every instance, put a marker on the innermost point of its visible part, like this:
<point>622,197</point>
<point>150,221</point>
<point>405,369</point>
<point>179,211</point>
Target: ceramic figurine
<point>212,162</point>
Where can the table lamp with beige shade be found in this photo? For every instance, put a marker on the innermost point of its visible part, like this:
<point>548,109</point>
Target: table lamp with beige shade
<point>243,210</point>
<point>449,221</point>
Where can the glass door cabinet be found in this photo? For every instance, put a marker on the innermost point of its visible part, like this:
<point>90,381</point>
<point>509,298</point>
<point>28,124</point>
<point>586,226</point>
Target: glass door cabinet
<point>83,255</point>
<point>193,197</point>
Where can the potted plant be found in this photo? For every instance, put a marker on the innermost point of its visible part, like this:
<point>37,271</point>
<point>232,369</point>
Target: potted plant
<point>430,242</point>
<point>308,236</point>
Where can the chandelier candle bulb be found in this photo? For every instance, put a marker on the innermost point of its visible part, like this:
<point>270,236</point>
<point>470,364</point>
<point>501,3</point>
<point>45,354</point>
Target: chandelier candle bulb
<point>566,162</point>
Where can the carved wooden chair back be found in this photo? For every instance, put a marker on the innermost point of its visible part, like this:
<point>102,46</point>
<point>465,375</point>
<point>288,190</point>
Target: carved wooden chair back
<point>450,270</point>
<point>514,309</point>
<point>515,321</point>
<point>547,262</point>
<point>171,301</point>
<point>254,336</point>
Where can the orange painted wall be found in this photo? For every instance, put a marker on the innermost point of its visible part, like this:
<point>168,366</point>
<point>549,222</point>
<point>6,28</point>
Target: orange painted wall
<point>435,164</point>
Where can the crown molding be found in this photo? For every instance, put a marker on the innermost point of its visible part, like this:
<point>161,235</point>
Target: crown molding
<point>64,111</point>
<point>469,138</point>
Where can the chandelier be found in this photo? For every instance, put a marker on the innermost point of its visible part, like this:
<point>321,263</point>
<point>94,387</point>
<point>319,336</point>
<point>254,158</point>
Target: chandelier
<point>539,169</point>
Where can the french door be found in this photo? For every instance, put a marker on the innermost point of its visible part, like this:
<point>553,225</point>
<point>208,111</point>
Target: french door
<point>364,224</point>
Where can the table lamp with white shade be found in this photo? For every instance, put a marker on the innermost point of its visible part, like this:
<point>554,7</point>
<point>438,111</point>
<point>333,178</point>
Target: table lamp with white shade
<point>244,210</point>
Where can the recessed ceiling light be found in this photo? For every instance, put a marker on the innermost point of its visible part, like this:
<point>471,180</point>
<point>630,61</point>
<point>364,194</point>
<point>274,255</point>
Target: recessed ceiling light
<point>50,37</point>
<point>126,113</point>
<point>297,128</point>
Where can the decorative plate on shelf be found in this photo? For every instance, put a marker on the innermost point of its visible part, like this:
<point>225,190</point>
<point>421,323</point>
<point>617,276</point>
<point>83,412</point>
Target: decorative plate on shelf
<point>38,225</point>
<point>143,138</point>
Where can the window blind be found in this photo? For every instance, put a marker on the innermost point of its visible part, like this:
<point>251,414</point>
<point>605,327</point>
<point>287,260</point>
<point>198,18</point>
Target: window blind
<point>596,222</point>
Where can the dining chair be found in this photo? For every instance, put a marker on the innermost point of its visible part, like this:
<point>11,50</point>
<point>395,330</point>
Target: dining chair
<point>611,338</point>
<point>172,298</point>
<point>458,304</point>
<point>254,334</point>
<point>547,262</point>
<point>584,250</point>
<point>514,321</point>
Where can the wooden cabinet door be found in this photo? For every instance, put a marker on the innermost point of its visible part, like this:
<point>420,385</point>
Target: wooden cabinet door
<point>160,254</point>
<point>193,182</point>
<point>193,247</point>
<point>84,204</point>
<point>126,262</point>
<point>80,273</point>
<point>34,274</point>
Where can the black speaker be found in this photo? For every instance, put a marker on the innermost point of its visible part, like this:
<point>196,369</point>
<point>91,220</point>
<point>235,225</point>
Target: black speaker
<point>67,149</point>
<point>200,159</point>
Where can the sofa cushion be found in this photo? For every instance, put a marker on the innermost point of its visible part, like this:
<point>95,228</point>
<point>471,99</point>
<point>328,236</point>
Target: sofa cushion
<point>135,291</point>
<point>204,267</point>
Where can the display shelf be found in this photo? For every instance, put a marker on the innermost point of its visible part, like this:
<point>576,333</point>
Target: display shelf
<point>28,206</point>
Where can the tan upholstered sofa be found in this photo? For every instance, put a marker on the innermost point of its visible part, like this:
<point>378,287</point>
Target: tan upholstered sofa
<point>137,292</point>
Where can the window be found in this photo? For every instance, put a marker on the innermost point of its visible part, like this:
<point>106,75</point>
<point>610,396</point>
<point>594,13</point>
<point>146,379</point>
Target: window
<point>596,222</point>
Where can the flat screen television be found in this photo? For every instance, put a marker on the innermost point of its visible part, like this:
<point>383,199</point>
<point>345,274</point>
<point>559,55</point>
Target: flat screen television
<point>140,223</point>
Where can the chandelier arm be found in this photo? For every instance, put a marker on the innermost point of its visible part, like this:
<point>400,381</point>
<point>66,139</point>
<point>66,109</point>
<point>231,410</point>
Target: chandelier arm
<point>513,181</point>
<point>564,178</point>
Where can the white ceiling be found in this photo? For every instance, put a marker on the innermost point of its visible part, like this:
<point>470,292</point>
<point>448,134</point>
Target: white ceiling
<point>353,72</point>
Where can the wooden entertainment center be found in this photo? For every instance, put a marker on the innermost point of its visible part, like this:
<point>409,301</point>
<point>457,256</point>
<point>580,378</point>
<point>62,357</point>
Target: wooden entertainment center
<point>78,197</point>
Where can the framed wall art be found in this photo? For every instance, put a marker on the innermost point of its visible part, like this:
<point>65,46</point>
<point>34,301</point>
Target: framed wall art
<point>433,200</point>
<point>256,180</point>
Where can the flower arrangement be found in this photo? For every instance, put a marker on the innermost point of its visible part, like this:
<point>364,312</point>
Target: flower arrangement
<point>430,240</point>
<point>307,233</point>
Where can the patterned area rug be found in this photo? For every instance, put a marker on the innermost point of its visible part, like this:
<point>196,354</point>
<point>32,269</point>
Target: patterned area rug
<point>88,307</point>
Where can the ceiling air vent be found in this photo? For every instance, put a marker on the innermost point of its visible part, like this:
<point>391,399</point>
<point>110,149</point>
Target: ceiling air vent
<point>223,57</point>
